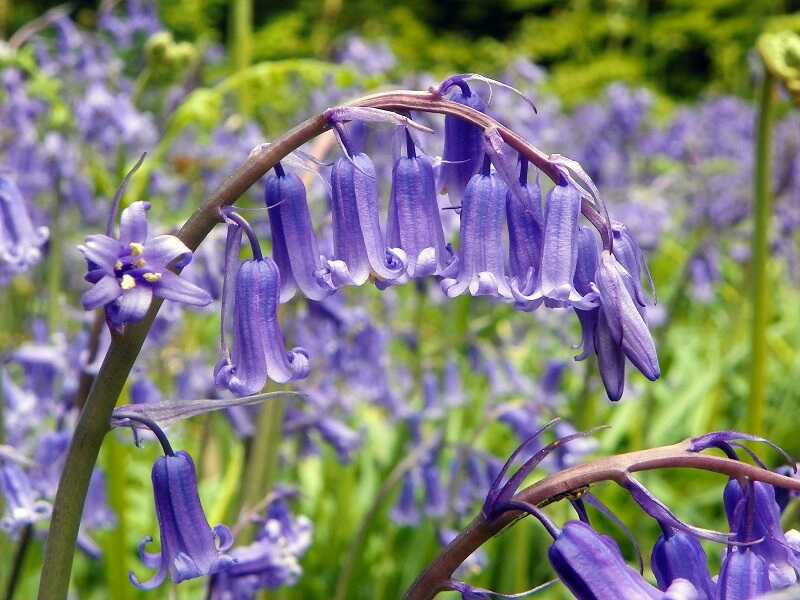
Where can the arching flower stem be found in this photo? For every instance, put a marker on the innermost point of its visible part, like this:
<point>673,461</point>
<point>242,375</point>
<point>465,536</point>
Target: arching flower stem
<point>255,246</point>
<point>563,484</point>
<point>153,427</point>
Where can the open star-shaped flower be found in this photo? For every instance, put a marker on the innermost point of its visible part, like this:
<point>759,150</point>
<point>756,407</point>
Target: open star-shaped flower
<point>127,272</point>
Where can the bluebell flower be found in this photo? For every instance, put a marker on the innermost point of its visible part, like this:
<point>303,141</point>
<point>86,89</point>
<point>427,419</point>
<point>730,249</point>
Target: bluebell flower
<point>626,326</point>
<point>189,547</point>
<point>481,260</point>
<point>22,504</point>
<point>258,351</point>
<point>743,575</point>
<point>591,566</point>
<point>678,554</point>
<point>127,272</point>
<point>435,504</point>
<point>525,230</point>
<point>44,361</point>
<point>559,254</point>
<point>414,224</point>
<point>271,561</point>
<point>405,511</point>
<point>628,253</point>
<point>294,246</point>
<point>359,248</point>
<point>251,293</point>
<point>21,241</point>
<point>20,409</point>
<point>585,269</point>
<point>463,143</point>
<point>342,438</point>
<point>753,514</point>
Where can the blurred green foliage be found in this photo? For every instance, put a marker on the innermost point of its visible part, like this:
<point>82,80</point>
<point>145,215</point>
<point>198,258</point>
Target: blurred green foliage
<point>681,48</point>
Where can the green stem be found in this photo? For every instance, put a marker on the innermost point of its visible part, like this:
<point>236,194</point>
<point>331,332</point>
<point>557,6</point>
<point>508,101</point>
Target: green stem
<point>263,459</point>
<point>19,560</point>
<point>242,45</point>
<point>760,258</point>
<point>116,547</point>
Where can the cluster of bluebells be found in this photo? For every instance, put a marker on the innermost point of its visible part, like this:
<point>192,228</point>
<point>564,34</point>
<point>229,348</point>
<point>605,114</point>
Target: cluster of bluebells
<point>551,259</point>
<point>758,556</point>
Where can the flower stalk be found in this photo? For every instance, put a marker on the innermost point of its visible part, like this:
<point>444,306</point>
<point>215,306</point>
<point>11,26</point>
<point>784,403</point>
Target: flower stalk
<point>560,485</point>
<point>760,256</point>
<point>94,421</point>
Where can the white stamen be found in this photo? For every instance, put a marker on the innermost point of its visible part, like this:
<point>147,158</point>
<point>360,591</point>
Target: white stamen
<point>127,283</point>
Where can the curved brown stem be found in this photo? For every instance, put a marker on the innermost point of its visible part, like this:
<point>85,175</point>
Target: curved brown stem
<point>614,468</point>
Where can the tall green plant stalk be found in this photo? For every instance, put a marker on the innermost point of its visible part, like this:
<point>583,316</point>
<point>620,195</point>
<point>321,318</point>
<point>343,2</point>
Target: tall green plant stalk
<point>241,45</point>
<point>116,542</point>
<point>760,257</point>
<point>262,463</point>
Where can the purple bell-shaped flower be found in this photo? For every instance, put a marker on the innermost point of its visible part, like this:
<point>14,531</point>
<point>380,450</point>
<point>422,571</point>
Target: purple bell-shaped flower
<point>414,224</point>
<point>592,567</point>
<point>625,323</point>
<point>481,261</point>
<point>585,269</point>
<point>189,547</point>
<point>678,554</point>
<point>744,575</point>
<point>754,514</point>
<point>294,245</point>
<point>258,351</point>
<point>525,229</point>
<point>358,244</point>
<point>463,143</point>
<point>559,254</point>
<point>20,240</point>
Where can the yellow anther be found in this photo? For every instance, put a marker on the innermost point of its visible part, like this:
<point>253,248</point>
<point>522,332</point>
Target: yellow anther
<point>152,277</point>
<point>136,248</point>
<point>139,263</point>
<point>118,265</point>
<point>127,283</point>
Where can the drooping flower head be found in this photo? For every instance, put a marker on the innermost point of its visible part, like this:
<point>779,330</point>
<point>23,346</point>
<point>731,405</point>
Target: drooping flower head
<point>592,567</point>
<point>252,292</point>
<point>753,515</point>
<point>414,224</point>
<point>294,245</point>
<point>463,142</point>
<point>621,327</point>
<point>127,272</point>
<point>190,548</point>
<point>358,244</point>
<point>21,241</point>
<point>481,257</point>
<point>525,230</point>
<point>679,555</point>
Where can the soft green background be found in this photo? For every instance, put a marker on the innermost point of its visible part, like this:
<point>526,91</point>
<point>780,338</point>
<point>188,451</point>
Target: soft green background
<point>682,50</point>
